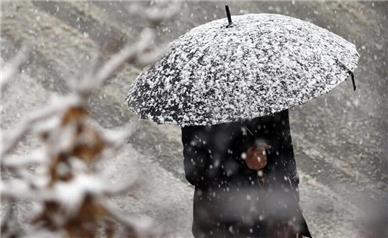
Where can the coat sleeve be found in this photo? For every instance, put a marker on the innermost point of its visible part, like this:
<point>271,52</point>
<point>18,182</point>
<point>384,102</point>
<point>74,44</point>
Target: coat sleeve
<point>195,164</point>
<point>291,171</point>
<point>198,165</point>
<point>287,158</point>
<point>288,151</point>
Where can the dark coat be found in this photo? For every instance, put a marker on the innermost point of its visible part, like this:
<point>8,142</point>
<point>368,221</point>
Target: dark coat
<point>231,200</point>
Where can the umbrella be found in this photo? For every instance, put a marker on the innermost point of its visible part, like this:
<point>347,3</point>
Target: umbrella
<point>257,65</point>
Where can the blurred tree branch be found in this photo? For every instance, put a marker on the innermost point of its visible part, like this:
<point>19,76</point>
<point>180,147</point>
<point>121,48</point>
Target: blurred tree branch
<point>73,199</point>
<point>9,69</point>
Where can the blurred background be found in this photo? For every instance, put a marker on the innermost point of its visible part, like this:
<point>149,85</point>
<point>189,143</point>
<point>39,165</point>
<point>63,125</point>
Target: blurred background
<point>340,139</point>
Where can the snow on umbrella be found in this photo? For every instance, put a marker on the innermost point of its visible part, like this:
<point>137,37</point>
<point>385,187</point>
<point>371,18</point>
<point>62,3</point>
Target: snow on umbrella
<point>258,65</point>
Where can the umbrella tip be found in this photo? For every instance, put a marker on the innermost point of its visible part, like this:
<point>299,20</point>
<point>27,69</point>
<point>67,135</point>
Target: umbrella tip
<point>353,81</point>
<point>228,15</point>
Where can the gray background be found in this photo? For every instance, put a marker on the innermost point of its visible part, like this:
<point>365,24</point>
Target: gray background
<point>340,138</point>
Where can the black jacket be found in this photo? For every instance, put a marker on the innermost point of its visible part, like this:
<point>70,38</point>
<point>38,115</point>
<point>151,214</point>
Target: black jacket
<point>230,199</point>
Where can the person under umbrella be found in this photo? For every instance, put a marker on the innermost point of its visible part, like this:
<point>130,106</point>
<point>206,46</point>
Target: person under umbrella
<point>245,179</point>
<point>229,85</point>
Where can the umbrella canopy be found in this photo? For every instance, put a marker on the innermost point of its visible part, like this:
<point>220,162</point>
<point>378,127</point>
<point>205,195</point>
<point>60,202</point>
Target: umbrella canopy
<point>258,65</point>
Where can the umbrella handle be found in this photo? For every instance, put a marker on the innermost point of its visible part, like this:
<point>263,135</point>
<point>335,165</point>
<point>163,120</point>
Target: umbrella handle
<point>228,15</point>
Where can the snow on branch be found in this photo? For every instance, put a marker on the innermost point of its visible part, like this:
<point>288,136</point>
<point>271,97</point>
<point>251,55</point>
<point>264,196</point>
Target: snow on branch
<point>16,134</point>
<point>129,54</point>
<point>159,12</point>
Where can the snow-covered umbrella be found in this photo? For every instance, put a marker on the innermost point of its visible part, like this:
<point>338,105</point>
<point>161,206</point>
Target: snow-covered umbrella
<point>225,71</point>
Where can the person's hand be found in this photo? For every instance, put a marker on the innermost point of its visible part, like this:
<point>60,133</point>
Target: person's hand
<point>256,157</point>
